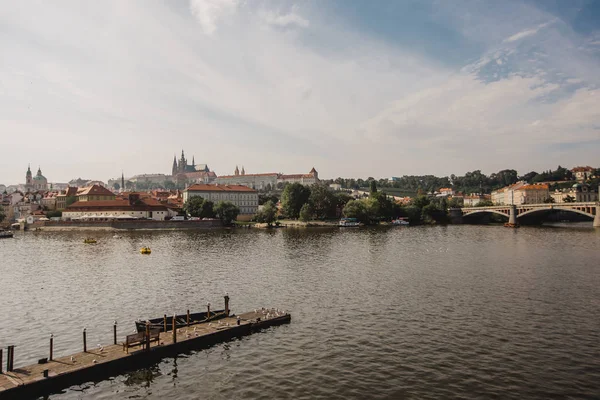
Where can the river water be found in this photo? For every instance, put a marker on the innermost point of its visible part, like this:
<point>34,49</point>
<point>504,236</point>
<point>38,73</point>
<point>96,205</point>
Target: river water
<point>398,313</point>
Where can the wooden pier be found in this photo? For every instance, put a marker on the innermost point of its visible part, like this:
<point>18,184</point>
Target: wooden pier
<point>111,360</point>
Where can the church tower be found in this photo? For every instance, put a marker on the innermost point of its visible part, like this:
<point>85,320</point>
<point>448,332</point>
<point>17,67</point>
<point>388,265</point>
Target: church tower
<point>28,177</point>
<point>237,171</point>
<point>243,170</point>
<point>174,169</point>
<point>122,182</point>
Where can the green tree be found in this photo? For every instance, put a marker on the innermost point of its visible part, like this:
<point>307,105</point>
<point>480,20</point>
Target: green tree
<point>549,199</point>
<point>294,196</point>
<point>54,214</point>
<point>2,214</point>
<point>116,186</point>
<point>265,198</point>
<point>307,212</point>
<point>70,200</point>
<point>569,199</point>
<point>485,203</point>
<point>196,206</point>
<point>226,211</point>
<point>373,187</point>
<point>323,202</point>
<point>357,209</point>
<point>268,213</point>
<point>193,207</point>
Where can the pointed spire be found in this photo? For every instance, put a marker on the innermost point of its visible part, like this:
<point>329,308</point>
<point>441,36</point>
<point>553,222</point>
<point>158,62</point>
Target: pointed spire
<point>237,171</point>
<point>193,162</point>
<point>243,170</point>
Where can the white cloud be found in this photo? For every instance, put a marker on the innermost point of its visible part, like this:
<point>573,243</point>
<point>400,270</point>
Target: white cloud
<point>528,32</point>
<point>293,18</point>
<point>209,12</point>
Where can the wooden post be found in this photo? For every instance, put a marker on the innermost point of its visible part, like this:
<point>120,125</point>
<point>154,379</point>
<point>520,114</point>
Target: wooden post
<point>165,321</point>
<point>188,317</point>
<point>227,304</point>
<point>10,353</point>
<point>207,310</point>
<point>84,341</point>
<point>147,335</point>
<point>51,346</point>
<point>115,332</point>
<point>0,361</point>
<point>45,373</point>
<point>174,330</point>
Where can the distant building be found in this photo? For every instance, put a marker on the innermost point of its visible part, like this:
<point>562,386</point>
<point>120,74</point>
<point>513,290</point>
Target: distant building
<point>582,174</point>
<point>61,198</point>
<point>521,193</point>
<point>94,193</point>
<point>446,192</point>
<point>335,186</point>
<point>266,181</point>
<point>133,205</point>
<point>245,198</point>
<point>579,192</point>
<point>182,166</point>
<point>472,200</point>
<point>37,182</point>
<point>305,179</point>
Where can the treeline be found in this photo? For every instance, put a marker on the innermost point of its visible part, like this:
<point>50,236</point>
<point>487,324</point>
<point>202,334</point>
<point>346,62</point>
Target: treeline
<point>317,202</point>
<point>471,182</point>
<point>198,207</point>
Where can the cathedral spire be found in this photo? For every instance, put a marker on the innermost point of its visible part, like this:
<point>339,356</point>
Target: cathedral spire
<point>237,171</point>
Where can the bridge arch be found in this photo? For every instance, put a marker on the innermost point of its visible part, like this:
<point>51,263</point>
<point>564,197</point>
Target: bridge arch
<point>486,211</point>
<point>555,208</point>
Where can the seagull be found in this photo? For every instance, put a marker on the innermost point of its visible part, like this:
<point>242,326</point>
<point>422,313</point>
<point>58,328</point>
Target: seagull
<point>94,361</point>
<point>72,359</point>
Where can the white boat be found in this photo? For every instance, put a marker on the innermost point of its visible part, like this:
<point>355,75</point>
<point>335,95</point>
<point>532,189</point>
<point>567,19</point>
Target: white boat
<point>401,222</point>
<point>349,223</point>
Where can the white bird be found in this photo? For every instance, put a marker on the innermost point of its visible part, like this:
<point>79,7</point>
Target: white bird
<point>94,361</point>
<point>72,359</point>
<point>194,329</point>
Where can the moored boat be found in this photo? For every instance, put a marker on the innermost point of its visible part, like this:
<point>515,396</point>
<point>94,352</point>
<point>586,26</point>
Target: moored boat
<point>349,223</point>
<point>180,320</point>
<point>6,234</point>
<point>401,222</point>
<point>89,240</point>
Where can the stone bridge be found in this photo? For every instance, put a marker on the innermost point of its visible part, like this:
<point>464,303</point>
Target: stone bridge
<point>513,212</point>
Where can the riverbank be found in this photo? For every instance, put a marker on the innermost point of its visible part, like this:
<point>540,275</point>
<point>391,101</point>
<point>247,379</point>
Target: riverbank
<point>124,225</point>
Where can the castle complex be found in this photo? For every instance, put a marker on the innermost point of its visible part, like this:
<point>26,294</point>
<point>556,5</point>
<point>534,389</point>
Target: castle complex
<point>38,182</point>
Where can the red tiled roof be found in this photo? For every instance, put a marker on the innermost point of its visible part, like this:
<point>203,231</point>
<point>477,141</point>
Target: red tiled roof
<point>201,187</point>
<point>95,190</point>
<point>582,169</point>
<point>534,187</point>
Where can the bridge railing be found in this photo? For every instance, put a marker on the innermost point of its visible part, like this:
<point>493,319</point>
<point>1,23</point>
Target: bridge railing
<point>537,205</point>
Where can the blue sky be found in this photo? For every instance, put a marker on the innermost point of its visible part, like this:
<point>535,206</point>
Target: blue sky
<point>354,88</point>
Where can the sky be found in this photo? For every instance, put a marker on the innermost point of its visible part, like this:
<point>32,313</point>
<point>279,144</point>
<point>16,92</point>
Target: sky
<point>354,88</point>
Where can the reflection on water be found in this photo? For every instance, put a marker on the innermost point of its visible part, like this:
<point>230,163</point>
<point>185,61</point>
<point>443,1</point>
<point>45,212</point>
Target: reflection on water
<point>424,312</point>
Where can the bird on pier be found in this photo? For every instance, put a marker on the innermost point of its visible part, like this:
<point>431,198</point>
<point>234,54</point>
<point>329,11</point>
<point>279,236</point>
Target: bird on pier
<point>72,359</point>
<point>94,361</point>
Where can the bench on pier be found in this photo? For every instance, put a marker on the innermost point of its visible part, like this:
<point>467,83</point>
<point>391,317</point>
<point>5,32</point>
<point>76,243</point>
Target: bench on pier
<point>139,339</point>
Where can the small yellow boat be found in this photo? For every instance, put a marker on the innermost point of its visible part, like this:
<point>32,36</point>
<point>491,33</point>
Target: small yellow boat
<point>89,240</point>
<point>145,250</point>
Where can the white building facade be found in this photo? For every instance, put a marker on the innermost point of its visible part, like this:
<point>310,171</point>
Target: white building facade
<point>243,197</point>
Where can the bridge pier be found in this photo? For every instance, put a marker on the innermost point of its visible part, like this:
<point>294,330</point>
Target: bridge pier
<point>597,217</point>
<point>456,216</point>
<point>512,217</point>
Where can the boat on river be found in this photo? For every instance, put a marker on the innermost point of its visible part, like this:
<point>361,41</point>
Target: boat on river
<point>401,222</point>
<point>348,223</point>
<point>180,320</point>
<point>89,240</point>
<point>6,234</point>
